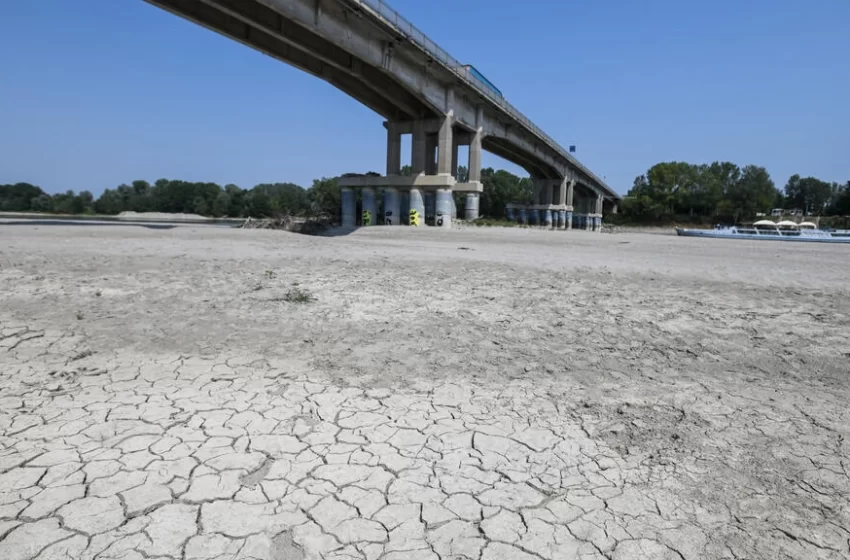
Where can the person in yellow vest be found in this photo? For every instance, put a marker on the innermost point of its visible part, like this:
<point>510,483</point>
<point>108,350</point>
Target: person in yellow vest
<point>414,217</point>
<point>367,218</point>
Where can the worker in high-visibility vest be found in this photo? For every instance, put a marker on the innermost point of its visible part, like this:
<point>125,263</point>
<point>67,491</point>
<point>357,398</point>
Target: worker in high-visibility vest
<point>414,217</point>
<point>367,218</point>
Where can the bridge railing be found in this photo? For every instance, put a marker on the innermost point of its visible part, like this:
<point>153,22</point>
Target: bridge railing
<point>419,38</point>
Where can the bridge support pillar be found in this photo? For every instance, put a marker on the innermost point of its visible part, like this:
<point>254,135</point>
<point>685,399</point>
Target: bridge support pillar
<point>418,152</point>
<point>393,149</point>
<point>429,198</point>
<point>417,208</point>
<point>475,157</point>
<point>562,219</point>
<point>392,207</point>
<point>370,207</point>
<point>445,146</point>
<point>443,215</point>
<point>349,207</point>
<point>404,207</point>
<point>470,209</point>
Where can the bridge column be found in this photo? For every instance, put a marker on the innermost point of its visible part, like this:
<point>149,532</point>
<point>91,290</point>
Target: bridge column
<point>418,148</point>
<point>445,146</point>
<point>470,208</point>
<point>443,216</point>
<point>393,149</point>
<point>416,213</point>
<point>392,207</point>
<point>569,202</point>
<point>600,201</point>
<point>349,207</point>
<point>431,141</point>
<point>475,147</point>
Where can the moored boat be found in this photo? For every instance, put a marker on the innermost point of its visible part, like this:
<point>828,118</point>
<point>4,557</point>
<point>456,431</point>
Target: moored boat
<point>785,230</point>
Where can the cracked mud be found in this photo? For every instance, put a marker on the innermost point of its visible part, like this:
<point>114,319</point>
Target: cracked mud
<point>540,396</point>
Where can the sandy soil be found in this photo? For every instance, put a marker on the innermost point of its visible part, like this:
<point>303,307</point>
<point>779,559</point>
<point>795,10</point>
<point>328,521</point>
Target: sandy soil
<point>484,393</point>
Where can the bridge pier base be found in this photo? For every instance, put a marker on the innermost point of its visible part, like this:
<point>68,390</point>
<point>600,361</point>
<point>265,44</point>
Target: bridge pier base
<point>417,209</point>
<point>570,219</point>
<point>392,207</point>
<point>562,219</point>
<point>349,208</point>
<point>443,215</point>
<point>370,207</point>
<point>470,208</point>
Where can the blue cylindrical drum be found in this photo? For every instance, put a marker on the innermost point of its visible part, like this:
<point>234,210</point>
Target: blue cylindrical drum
<point>523,215</point>
<point>547,218</point>
<point>510,213</point>
<point>562,219</point>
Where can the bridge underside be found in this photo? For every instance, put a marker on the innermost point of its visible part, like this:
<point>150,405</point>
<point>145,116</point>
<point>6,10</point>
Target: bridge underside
<point>346,44</point>
<point>268,31</point>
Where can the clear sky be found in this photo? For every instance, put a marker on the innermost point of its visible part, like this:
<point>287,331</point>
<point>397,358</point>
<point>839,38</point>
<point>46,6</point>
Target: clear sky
<point>94,93</point>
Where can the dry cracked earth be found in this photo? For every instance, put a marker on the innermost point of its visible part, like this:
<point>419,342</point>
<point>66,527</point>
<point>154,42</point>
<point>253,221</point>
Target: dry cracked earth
<point>466,395</point>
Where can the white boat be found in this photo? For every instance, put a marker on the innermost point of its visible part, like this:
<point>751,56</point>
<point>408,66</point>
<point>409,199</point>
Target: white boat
<point>785,230</point>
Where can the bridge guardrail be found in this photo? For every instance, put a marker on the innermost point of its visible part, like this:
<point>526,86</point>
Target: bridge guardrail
<point>437,53</point>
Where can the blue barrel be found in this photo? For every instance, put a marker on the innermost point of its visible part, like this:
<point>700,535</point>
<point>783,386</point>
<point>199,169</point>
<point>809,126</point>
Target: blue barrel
<point>510,213</point>
<point>562,219</point>
<point>416,214</point>
<point>349,208</point>
<point>369,216</point>
<point>523,215</point>
<point>443,214</point>
<point>547,218</point>
<point>392,207</point>
<point>430,200</point>
<point>532,217</point>
<point>581,220</point>
<point>404,210</point>
<point>569,220</point>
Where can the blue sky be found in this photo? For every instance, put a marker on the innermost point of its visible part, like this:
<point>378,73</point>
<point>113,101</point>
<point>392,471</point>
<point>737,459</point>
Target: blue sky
<point>94,93</point>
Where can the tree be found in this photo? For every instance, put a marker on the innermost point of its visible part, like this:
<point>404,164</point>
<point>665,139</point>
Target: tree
<point>809,194</point>
<point>325,197</point>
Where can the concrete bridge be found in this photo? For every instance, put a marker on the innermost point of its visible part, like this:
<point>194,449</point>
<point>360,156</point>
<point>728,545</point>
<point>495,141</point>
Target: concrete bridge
<point>372,53</point>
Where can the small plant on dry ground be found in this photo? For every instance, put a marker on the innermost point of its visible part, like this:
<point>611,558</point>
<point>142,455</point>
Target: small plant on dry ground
<point>297,295</point>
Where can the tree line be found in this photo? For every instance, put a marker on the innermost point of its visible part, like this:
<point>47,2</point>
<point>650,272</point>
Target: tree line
<point>725,192</point>
<point>166,195</point>
<point>213,200</point>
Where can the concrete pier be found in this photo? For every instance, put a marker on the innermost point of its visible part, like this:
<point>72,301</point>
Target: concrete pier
<point>470,208</point>
<point>404,207</point>
<point>369,214</point>
<point>416,215</point>
<point>392,207</point>
<point>430,198</point>
<point>547,218</point>
<point>349,208</point>
<point>443,215</point>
